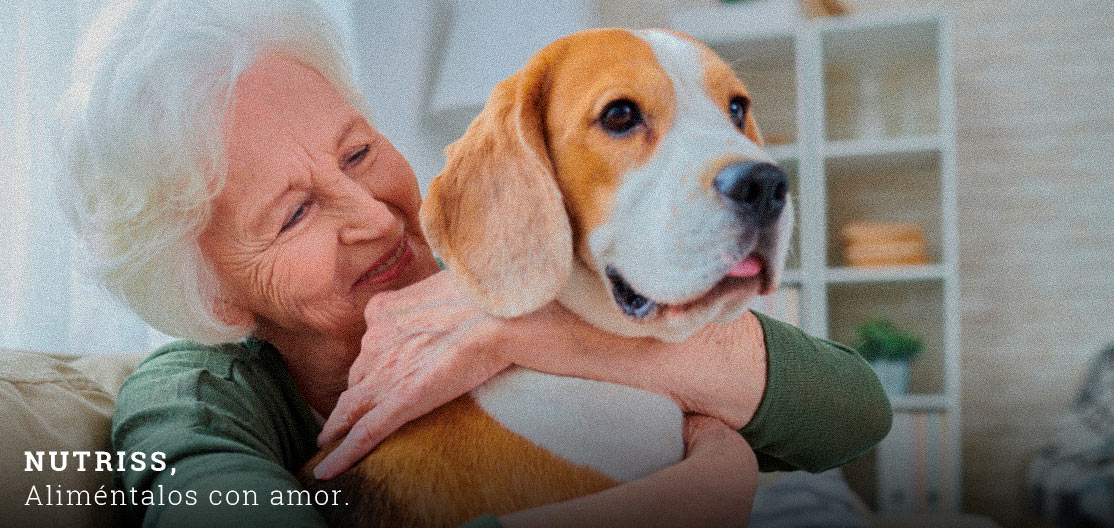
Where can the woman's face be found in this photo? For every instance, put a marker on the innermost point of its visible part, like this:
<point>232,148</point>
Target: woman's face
<point>319,211</point>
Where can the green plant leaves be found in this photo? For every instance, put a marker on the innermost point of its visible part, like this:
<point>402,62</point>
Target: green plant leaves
<point>880,338</point>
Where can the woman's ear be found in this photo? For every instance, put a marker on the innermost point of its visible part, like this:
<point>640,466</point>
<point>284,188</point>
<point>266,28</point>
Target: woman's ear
<point>495,214</point>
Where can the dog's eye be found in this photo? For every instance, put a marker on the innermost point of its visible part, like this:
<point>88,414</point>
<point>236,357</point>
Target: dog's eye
<point>620,116</point>
<point>738,111</point>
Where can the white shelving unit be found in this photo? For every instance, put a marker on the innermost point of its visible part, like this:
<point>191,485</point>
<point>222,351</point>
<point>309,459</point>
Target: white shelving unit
<point>860,111</point>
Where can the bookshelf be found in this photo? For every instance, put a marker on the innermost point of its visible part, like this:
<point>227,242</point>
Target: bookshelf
<point>860,112</point>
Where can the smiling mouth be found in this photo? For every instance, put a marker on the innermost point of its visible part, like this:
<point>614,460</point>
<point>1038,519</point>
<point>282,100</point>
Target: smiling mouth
<point>389,266</point>
<point>639,307</point>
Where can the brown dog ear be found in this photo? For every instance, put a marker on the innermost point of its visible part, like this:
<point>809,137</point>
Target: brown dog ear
<point>495,214</point>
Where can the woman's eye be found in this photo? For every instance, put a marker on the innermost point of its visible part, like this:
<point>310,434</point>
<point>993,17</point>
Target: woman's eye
<point>299,213</point>
<point>620,116</point>
<point>737,109</point>
<point>356,156</point>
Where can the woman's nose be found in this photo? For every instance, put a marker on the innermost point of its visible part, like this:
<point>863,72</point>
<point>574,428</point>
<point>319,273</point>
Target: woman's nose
<point>365,217</point>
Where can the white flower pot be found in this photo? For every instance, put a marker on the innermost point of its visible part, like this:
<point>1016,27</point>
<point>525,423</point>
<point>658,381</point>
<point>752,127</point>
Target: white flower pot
<point>894,375</point>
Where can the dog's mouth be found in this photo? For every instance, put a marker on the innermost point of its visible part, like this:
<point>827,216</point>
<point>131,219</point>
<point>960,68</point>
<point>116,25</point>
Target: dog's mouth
<point>640,307</point>
<point>634,304</point>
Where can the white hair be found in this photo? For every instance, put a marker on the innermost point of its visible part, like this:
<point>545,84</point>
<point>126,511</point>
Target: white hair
<point>141,150</point>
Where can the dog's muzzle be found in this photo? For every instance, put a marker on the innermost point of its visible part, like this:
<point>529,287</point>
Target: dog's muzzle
<point>756,190</point>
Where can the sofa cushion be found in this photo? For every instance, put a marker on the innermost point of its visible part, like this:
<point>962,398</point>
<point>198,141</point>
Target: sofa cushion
<point>56,403</point>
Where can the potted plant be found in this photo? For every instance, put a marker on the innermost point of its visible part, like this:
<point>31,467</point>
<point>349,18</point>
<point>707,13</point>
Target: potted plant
<point>889,350</point>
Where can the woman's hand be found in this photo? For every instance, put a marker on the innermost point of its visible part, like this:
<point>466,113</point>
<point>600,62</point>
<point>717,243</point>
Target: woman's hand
<point>425,345</point>
<point>713,486</point>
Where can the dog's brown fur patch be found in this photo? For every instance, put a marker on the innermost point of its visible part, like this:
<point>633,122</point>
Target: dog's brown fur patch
<point>450,466</point>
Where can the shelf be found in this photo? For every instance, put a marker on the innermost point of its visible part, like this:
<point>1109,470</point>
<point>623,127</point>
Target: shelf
<point>917,306</point>
<point>882,40</point>
<point>855,154</point>
<point>881,79</point>
<point>852,275</point>
<point>877,147</point>
<point>886,182</point>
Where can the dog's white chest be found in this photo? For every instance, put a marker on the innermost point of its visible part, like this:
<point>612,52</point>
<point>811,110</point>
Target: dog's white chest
<point>622,432</point>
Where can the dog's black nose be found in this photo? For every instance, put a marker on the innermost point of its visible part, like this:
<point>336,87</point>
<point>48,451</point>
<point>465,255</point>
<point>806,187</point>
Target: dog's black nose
<point>755,189</point>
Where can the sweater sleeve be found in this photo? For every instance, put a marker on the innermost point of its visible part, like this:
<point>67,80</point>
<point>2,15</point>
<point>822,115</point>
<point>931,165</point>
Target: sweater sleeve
<point>823,405</point>
<point>229,434</point>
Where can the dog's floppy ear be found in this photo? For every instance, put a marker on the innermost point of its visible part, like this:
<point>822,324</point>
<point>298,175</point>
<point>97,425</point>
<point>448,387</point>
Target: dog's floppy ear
<point>495,214</point>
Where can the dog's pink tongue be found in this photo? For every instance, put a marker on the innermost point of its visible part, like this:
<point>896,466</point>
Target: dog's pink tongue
<point>747,267</point>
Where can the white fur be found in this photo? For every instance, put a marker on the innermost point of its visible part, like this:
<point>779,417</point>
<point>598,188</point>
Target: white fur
<point>622,432</point>
<point>670,237</point>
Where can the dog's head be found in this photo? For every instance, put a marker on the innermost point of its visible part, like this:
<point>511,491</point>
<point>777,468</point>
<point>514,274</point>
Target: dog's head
<point>622,174</point>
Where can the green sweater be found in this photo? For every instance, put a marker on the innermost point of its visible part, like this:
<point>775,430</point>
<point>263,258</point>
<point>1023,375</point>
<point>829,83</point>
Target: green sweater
<point>234,427</point>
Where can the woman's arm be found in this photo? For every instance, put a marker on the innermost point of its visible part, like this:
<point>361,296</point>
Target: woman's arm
<point>823,406</point>
<point>803,403</point>
<point>229,433</point>
<point>426,345</point>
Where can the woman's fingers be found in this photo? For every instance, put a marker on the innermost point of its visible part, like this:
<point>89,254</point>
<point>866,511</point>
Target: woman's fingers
<point>353,404</point>
<point>394,382</point>
<point>373,418</point>
<point>369,430</point>
<point>424,346</point>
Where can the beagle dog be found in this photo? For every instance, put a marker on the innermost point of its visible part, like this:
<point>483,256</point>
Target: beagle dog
<point>621,174</point>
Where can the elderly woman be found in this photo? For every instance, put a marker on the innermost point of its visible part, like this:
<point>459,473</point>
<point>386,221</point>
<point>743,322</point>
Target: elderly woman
<point>218,163</point>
